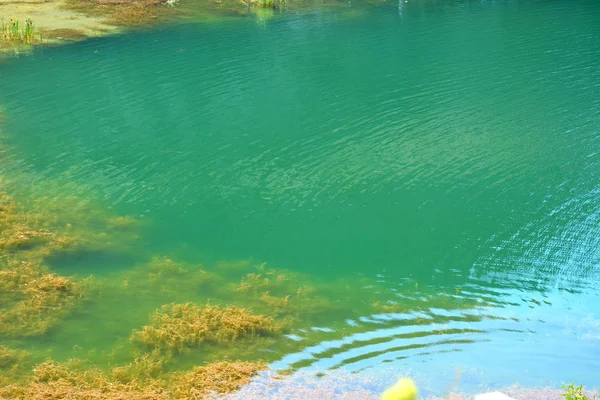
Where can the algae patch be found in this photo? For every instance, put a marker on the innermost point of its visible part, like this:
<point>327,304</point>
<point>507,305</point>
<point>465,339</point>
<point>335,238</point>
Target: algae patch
<point>201,315</point>
<point>221,377</point>
<point>179,326</point>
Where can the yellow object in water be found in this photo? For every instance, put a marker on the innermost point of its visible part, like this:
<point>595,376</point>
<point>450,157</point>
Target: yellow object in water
<point>404,389</point>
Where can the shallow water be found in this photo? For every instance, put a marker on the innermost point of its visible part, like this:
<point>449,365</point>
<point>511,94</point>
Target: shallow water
<point>447,147</point>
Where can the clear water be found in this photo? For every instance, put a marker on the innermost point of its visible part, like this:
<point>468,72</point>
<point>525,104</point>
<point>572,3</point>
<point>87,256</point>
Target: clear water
<point>452,145</point>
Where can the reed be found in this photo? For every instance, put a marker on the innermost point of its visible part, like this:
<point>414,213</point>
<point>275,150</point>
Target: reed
<point>13,31</point>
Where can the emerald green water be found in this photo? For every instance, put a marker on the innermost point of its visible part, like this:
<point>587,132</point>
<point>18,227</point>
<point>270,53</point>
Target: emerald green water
<point>450,147</point>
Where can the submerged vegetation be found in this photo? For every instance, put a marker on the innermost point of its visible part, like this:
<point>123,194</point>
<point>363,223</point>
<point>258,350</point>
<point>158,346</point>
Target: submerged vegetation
<point>220,377</point>
<point>201,316</point>
<point>179,326</point>
<point>33,300</point>
<point>72,380</point>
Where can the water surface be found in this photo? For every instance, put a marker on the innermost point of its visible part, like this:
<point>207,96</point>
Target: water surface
<point>449,147</point>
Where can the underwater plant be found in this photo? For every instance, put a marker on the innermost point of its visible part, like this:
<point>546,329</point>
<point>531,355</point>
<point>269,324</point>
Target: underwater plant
<point>220,377</point>
<point>147,367</point>
<point>141,381</point>
<point>11,358</point>
<point>175,327</point>
<point>32,299</point>
<point>71,380</point>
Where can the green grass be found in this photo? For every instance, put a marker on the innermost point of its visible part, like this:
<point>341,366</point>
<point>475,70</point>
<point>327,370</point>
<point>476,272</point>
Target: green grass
<point>13,31</point>
<point>573,392</point>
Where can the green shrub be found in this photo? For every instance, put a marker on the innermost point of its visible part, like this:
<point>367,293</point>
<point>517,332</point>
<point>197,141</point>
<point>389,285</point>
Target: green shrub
<point>573,392</point>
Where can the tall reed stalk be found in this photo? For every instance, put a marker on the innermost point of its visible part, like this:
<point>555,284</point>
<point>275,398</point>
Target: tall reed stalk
<point>12,32</point>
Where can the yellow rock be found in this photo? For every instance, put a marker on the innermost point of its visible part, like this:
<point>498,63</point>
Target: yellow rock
<point>404,389</point>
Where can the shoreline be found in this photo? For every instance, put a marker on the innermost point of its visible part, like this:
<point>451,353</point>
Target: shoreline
<point>58,22</point>
<point>54,21</point>
<point>340,384</point>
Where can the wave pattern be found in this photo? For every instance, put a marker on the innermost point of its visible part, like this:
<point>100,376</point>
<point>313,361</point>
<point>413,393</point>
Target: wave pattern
<point>449,144</point>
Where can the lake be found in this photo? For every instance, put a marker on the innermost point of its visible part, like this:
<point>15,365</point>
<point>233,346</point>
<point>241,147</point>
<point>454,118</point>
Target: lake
<point>432,167</point>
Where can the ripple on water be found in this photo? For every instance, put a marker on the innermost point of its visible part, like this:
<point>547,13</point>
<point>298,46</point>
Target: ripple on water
<point>449,145</point>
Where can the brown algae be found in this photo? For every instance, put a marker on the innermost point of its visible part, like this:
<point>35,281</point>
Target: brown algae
<point>175,327</point>
<point>33,300</point>
<point>70,380</point>
<point>216,378</point>
<point>73,380</point>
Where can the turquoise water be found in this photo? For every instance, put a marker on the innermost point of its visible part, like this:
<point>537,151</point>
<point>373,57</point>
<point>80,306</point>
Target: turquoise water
<point>453,144</point>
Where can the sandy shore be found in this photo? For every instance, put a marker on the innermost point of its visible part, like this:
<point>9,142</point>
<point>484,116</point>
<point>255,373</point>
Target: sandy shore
<point>52,16</point>
<point>53,20</point>
<point>340,385</point>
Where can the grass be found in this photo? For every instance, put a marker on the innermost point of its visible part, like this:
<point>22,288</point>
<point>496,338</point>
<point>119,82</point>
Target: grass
<point>13,31</point>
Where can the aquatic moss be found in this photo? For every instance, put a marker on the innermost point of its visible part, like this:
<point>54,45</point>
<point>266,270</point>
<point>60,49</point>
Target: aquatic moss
<point>147,367</point>
<point>216,378</point>
<point>165,267</point>
<point>168,277</point>
<point>14,364</point>
<point>124,222</point>
<point>23,230</point>
<point>33,300</point>
<point>73,380</point>
<point>175,327</point>
<point>12,358</point>
<point>70,380</point>
<point>46,226</point>
<point>281,293</point>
